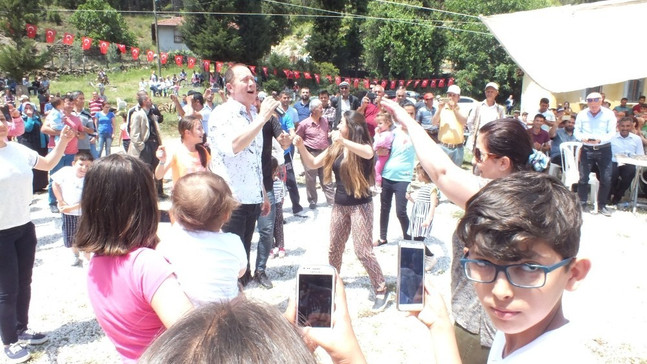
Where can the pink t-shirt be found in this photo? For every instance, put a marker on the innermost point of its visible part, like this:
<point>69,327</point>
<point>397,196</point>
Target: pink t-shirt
<point>121,290</point>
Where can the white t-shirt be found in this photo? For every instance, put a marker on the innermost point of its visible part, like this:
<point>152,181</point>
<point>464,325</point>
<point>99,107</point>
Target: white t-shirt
<point>71,187</point>
<point>16,162</point>
<point>562,345</point>
<point>206,263</point>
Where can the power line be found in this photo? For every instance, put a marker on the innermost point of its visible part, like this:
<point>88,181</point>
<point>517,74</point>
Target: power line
<point>426,8</point>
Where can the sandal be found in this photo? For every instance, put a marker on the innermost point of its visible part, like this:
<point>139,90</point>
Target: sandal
<point>379,242</point>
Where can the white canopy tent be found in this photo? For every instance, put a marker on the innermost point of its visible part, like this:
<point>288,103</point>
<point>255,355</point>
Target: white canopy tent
<point>604,38</point>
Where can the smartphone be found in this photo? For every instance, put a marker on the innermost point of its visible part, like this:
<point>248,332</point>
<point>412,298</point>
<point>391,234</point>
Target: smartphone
<point>411,276</point>
<point>315,296</point>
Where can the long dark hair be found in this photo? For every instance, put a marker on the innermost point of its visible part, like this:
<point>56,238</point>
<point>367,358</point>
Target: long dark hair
<point>508,138</point>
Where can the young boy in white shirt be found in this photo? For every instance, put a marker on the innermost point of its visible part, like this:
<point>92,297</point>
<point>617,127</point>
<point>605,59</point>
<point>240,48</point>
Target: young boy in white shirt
<point>522,236</point>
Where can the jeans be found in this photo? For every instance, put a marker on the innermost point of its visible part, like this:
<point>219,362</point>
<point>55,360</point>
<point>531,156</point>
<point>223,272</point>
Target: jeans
<point>17,253</point>
<point>105,141</point>
<point>266,235</point>
<point>65,161</point>
<point>602,159</point>
<point>242,223</point>
<point>291,184</point>
<point>389,188</point>
<point>456,154</point>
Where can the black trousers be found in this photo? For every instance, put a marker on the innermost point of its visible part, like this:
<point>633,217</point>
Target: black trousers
<point>242,223</point>
<point>399,189</point>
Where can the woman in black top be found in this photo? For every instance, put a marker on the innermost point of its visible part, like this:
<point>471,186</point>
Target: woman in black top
<point>351,158</point>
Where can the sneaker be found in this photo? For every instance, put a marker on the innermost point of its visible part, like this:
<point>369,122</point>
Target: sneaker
<point>605,212</point>
<point>54,209</point>
<point>31,337</point>
<point>263,280</point>
<point>76,262</point>
<point>245,279</point>
<point>281,253</point>
<point>380,302</point>
<point>16,353</point>
<point>273,253</point>
<point>313,206</point>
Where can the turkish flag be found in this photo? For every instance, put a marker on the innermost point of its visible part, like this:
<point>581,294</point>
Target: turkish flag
<point>317,78</point>
<point>178,59</point>
<point>86,43</point>
<point>288,74</point>
<point>31,30</point>
<point>219,66</point>
<point>356,83</point>
<point>307,75</point>
<point>275,72</point>
<point>68,39</point>
<point>401,82</point>
<point>451,81</point>
<point>433,83</point>
<point>329,78</point>
<point>347,79</point>
<point>424,83</point>
<point>50,35</point>
<point>150,55</point>
<point>121,47</point>
<point>253,69</point>
<point>367,83</point>
<point>206,65</point>
<point>441,83</point>
<point>265,71</point>
<point>409,82</point>
<point>296,75</point>
<point>163,57</point>
<point>415,84</point>
<point>337,80</point>
<point>383,84</point>
<point>190,62</point>
<point>103,46</point>
<point>392,86</point>
<point>135,53</point>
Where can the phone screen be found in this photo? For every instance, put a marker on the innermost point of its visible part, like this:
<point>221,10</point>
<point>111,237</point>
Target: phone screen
<point>315,300</point>
<point>411,275</point>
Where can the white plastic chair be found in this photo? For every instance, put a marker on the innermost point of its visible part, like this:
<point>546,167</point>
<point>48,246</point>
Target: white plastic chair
<point>571,175</point>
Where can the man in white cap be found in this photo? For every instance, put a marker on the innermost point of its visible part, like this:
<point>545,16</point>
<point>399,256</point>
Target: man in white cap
<point>488,110</point>
<point>451,123</point>
<point>344,102</point>
<point>595,126</point>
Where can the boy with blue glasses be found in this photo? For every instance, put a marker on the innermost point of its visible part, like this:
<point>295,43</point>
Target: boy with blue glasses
<point>522,236</point>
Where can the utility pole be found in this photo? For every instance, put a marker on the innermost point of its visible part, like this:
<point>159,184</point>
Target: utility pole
<point>157,41</point>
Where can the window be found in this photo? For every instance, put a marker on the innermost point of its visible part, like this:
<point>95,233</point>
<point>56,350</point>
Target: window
<point>177,36</point>
<point>633,89</point>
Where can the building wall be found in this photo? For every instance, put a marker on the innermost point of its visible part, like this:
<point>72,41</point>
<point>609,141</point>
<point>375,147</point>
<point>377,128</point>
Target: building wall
<point>167,40</point>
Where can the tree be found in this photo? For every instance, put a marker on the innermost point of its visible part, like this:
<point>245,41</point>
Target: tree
<point>237,38</point>
<point>100,21</point>
<point>405,46</point>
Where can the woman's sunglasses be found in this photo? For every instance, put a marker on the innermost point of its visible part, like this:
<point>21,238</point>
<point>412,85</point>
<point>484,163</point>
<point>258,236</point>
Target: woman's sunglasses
<point>478,155</point>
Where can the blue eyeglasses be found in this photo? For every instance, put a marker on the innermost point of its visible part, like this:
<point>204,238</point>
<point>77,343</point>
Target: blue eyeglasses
<point>524,275</point>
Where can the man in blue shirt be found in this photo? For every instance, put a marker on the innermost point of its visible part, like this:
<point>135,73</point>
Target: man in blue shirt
<point>564,134</point>
<point>288,124</point>
<point>303,106</point>
<point>426,113</point>
<point>595,127</point>
<point>626,143</point>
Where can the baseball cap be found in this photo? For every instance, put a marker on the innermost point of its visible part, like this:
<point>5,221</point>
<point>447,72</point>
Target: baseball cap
<point>454,89</point>
<point>344,83</point>
<point>494,85</point>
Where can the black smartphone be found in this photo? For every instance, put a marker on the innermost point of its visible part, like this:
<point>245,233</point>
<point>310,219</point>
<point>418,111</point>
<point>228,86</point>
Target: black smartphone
<point>315,296</point>
<point>411,276</point>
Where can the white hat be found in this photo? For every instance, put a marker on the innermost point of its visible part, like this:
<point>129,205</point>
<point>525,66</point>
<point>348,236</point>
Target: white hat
<point>454,89</point>
<point>23,97</point>
<point>494,85</point>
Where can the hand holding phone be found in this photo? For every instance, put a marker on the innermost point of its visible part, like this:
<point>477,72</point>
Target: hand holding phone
<point>411,276</point>
<point>315,296</point>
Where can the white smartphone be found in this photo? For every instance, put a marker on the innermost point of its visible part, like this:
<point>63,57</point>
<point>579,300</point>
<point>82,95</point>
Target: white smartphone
<point>315,296</point>
<point>411,276</point>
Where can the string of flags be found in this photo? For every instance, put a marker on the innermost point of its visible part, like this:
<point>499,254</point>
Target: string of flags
<point>86,44</point>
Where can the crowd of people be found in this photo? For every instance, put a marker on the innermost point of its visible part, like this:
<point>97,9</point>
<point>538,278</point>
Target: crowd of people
<point>230,173</point>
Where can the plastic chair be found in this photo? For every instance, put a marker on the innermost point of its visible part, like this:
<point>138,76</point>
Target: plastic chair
<point>571,175</point>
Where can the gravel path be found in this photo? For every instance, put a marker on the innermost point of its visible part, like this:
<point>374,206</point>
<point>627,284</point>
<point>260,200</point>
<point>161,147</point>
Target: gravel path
<point>610,302</point>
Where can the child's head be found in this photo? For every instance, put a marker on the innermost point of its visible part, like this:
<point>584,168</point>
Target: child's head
<point>202,201</point>
<point>383,121</point>
<point>81,163</point>
<point>422,174</point>
<point>530,220</point>
<point>56,102</point>
<point>192,125</point>
<point>119,207</point>
<point>239,330</point>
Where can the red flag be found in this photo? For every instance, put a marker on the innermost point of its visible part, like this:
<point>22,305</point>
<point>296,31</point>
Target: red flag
<point>121,47</point>
<point>347,79</point>
<point>274,72</point>
<point>190,62</point>
<point>392,84</point>
<point>434,83</point>
<point>367,83</point>
<point>178,59</point>
<point>376,81</point>
<point>441,83</point>
<point>356,83</point>
<point>150,55</point>
<point>265,71</point>
<point>206,65</point>
<point>383,83</point>
<point>401,83</point>
<point>31,30</point>
<point>218,66</point>
<point>288,74</point>
<point>415,84</point>
<point>103,46</point>
<point>451,81</point>
<point>337,80</point>
<point>135,53</point>
<point>68,39</point>
<point>50,35</point>
<point>163,57</point>
<point>409,82</point>
<point>317,78</point>
<point>253,69</point>
<point>307,75</point>
<point>329,78</point>
<point>86,43</point>
<point>424,83</point>
<point>296,75</point>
